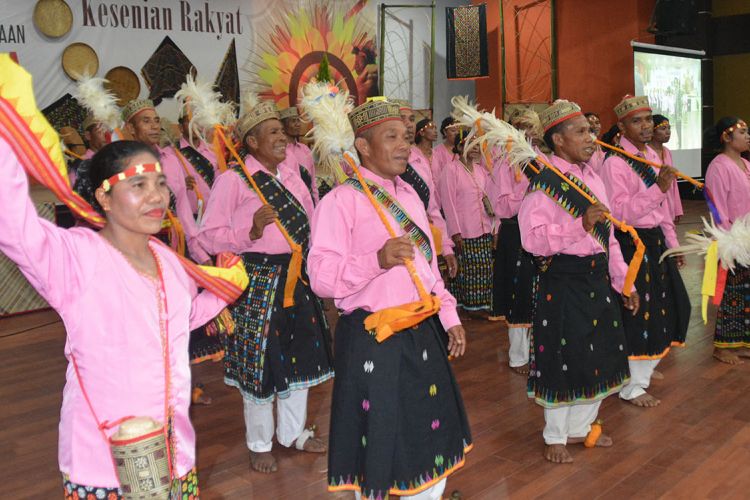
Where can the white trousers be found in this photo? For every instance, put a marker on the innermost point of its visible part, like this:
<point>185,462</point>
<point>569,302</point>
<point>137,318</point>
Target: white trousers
<point>569,422</point>
<point>259,424</point>
<point>432,493</point>
<point>519,346</point>
<point>640,377</point>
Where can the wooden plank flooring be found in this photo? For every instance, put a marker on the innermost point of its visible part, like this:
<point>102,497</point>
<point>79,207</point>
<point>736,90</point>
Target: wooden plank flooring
<point>695,445</point>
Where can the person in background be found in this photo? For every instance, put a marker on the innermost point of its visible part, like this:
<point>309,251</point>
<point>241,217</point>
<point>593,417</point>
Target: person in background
<point>728,180</point>
<point>662,134</point>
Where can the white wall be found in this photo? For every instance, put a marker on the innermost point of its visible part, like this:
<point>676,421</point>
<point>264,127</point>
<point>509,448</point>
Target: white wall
<point>444,89</point>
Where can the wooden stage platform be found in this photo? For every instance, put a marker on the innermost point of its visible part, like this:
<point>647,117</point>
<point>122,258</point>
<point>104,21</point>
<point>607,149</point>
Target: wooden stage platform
<point>696,444</point>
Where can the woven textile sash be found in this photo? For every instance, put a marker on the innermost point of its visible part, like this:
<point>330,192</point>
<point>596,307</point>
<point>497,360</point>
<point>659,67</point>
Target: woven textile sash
<point>415,180</point>
<point>416,235</point>
<point>307,179</point>
<point>291,213</point>
<point>466,32</point>
<point>642,170</point>
<point>570,200</point>
<point>200,163</point>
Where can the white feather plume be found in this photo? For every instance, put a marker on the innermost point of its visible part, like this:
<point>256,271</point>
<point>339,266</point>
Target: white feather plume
<point>102,104</point>
<point>205,106</point>
<point>248,101</point>
<point>490,132</point>
<point>733,243</point>
<point>328,108</point>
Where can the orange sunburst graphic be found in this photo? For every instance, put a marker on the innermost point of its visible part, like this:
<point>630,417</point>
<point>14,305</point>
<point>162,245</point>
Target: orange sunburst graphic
<point>290,50</point>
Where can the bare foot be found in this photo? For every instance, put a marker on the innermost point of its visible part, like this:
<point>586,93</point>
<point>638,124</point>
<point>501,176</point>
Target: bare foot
<point>315,445</point>
<point>727,356</point>
<point>645,400</point>
<point>263,462</point>
<point>521,370</point>
<point>657,375</point>
<point>557,454</point>
<point>604,441</point>
<point>495,318</point>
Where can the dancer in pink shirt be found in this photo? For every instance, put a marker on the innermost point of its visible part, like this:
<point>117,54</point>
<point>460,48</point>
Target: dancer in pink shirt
<point>638,195</point>
<point>728,181</point>
<point>662,134</point>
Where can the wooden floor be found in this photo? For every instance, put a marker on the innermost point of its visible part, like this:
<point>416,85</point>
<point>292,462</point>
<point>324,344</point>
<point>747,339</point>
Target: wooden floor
<point>695,445</point>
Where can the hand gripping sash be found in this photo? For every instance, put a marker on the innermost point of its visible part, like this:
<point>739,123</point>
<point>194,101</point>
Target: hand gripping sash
<point>570,200</point>
<point>37,147</point>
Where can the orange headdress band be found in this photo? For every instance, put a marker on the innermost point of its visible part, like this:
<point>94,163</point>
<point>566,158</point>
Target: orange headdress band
<point>725,135</point>
<point>139,169</point>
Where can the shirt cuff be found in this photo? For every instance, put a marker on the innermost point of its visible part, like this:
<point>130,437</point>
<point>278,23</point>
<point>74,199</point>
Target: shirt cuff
<point>448,317</point>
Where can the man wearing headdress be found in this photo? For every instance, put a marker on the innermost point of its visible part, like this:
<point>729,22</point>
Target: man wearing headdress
<point>197,160</point>
<point>578,352</point>
<point>398,424</point>
<point>298,152</point>
<point>143,123</point>
<point>418,174</point>
<point>260,209</point>
<point>638,195</point>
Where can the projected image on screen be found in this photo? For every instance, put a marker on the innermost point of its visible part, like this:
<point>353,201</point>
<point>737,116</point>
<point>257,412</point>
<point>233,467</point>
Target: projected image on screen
<point>673,86</point>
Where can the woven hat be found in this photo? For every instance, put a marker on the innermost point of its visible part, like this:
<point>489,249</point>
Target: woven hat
<point>373,113</point>
<point>402,103</point>
<point>134,107</point>
<point>560,111</point>
<point>630,105</point>
<point>261,112</point>
<point>289,113</point>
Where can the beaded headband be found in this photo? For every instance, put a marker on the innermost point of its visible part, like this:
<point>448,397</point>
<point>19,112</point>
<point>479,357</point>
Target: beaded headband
<point>663,124</point>
<point>727,132</point>
<point>429,124</point>
<point>139,169</point>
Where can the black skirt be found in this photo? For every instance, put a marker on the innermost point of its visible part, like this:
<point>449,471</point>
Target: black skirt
<point>274,349</point>
<point>398,424</point>
<point>514,277</point>
<point>733,319</point>
<point>663,317</point>
<point>577,339</point>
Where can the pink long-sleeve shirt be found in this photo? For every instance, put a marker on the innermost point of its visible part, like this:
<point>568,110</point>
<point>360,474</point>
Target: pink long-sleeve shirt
<point>631,201</point>
<point>343,259</point>
<point>508,189</point>
<point>229,216</point>
<point>547,229</point>
<point>730,188</point>
<point>441,156</point>
<point>176,183</point>
<point>422,166</point>
<point>461,196</point>
<point>673,195</point>
<point>304,157</point>
<point>112,321</point>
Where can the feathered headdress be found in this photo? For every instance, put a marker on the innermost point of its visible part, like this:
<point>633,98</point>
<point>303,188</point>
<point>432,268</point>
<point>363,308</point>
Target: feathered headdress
<point>203,105</point>
<point>102,104</point>
<point>327,107</point>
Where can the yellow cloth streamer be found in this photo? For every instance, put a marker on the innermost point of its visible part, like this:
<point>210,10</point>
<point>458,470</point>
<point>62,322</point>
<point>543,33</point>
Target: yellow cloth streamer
<point>708,287</point>
<point>235,274</point>
<point>437,239</point>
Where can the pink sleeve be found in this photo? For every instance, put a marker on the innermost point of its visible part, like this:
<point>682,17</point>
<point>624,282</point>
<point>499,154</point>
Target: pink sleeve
<point>509,192</point>
<point>668,228</point>
<point>676,200</point>
<point>223,229</point>
<point>719,185</point>
<point>447,314</point>
<point>46,254</point>
<point>336,270</point>
<point>433,211</point>
<point>545,229</point>
<point>626,202</point>
<point>447,189</point>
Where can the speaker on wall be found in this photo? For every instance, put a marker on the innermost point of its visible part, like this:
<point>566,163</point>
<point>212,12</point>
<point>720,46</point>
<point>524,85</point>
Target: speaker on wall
<point>674,17</point>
